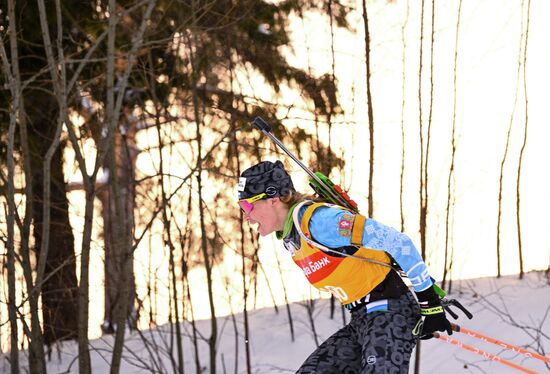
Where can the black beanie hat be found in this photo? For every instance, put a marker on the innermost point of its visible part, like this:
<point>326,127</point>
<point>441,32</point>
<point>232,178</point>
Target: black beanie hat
<point>267,177</point>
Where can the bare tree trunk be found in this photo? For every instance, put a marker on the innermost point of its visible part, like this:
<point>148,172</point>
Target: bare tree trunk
<point>119,259</point>
<point>195,340</point>
<point>518,189</point>
<point>60,306</point>
<point>89,183</point>
<point>59,290</point>
<point>212,340</point>
<point>12,78</point>
<point>310,309</point>
<point>44,223</point>
<point>52,230</point>
<point>243,267</point>
<point>61,89</point>
<point>84,362</point>
<point>56,273</point>
<point>331,109</point>
<point>422,217</point>
<point>288,312</point>
<point>12,71</point>
<point>450,179</point>
<point>12,308</point>
<point>185,244</point>
<point>117,210</point>
<point>506,148</point>
<point>42,110</point>
<point>329,117</point>
<point>422,199</point>
<point>254,270</point>
<point>168,235</point>
<point>151,286</point>
<point>123,200</point>
<point>501,180</point>
<point>235,153</point>
<point>369,109</point>
<point>425,183</point>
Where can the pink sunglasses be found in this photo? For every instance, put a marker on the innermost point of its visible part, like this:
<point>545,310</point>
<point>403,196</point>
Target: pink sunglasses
<point>247,205</point>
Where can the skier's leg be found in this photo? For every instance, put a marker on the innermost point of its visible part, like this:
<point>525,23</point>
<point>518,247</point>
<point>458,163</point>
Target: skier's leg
<point>388,341</point>
<point>339,354</point>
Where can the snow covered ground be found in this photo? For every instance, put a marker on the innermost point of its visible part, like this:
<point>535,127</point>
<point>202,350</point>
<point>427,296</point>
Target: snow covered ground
<point>511,310</point>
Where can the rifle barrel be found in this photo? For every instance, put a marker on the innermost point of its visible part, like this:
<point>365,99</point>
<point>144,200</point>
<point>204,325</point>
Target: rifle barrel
<point>264,127</point>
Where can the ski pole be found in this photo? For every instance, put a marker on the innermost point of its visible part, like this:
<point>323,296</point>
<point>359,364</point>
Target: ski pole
<point>500,343</point>
<point>480,352</point>
<point>265,127</point>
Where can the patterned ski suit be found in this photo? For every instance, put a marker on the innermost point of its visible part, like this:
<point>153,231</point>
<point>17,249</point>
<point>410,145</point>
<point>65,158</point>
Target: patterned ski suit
<point>325,241</point>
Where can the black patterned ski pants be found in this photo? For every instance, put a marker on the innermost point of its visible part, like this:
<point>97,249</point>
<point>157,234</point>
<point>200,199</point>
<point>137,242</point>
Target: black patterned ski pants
<point>377,342</point>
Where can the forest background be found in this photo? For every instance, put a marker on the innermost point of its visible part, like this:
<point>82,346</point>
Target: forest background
<point>125,125</point>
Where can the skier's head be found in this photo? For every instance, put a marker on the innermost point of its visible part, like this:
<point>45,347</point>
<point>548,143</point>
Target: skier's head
<point>260,188</point>
<point>266,177</point>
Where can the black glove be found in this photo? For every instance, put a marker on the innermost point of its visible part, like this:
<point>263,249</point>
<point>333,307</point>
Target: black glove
<point>432,315</point>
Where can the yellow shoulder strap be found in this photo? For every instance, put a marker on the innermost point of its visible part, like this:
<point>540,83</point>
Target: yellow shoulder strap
<point>357,230</point>
<point>307,216</point>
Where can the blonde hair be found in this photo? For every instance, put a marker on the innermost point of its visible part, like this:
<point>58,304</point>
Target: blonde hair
<point>295,197</point>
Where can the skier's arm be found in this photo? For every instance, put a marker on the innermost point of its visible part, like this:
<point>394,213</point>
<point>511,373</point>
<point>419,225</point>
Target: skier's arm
<point>332,227</point>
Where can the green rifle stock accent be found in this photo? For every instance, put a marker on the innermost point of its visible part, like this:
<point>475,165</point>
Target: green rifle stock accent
<point>439,291</point>
<point>322,191</point>
<point>336,190</point>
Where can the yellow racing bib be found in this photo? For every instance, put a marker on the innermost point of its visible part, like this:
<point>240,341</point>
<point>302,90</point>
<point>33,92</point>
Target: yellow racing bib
<point>347,278</point>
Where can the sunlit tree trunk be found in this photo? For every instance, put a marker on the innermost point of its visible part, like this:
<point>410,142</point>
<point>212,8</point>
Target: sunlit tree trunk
<point>84,360</point>
<point>119,278</point>
<point>507,145</point>
<point>449,212</point>
<point>331,108</point>
<point>422,198</point>
<point>520,164</point>
<point>118,220</point>
<point>369,110</point>
<point>425,183</point>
